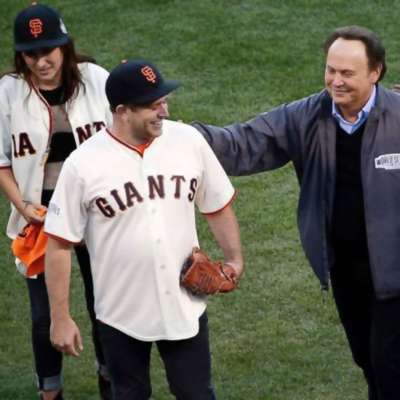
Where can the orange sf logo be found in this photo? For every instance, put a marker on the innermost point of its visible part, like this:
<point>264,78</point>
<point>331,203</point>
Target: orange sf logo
<point>149,74</point>
<point>36,27</point>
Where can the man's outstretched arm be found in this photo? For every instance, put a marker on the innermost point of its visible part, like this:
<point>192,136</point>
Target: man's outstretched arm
<point>245,148</point>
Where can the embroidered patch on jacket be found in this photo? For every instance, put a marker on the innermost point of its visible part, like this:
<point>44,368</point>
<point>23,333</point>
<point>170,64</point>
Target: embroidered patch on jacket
<point>388,161</point>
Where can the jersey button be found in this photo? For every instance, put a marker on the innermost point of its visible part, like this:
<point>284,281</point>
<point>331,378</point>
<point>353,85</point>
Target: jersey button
<point>162,266</point>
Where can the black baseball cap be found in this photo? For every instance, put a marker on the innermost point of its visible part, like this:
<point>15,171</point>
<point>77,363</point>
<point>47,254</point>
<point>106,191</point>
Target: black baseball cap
<point>137,82</point>
<point>39,26</point>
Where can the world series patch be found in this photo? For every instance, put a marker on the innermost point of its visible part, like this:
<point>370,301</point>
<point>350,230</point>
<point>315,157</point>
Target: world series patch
<point>388,161</point>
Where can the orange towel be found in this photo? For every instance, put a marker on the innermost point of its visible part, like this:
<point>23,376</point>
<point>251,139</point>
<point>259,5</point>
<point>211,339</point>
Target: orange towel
<point>30,247</point>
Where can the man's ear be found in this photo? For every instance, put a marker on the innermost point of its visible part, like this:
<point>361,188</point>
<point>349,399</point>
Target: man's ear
<point>120,109</point>
<point>376,73</point>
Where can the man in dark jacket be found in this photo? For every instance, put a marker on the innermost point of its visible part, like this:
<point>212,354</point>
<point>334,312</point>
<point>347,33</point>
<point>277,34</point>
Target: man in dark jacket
<point>344,143</point>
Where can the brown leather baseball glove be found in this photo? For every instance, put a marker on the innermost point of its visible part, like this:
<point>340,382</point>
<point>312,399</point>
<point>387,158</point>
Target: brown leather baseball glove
<point>202,276</point>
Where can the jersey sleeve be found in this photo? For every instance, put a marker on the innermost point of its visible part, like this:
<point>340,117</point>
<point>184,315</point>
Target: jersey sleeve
<point>5,129</point>
<point>215,190</point>
<point>67,213</point>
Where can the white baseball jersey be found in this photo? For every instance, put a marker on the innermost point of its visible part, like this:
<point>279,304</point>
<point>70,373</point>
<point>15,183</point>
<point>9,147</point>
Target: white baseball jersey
<point>136,213</point>
<point>25,126</point>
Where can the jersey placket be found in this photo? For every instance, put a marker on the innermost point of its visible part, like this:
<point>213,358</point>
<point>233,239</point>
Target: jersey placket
<point>160,262</point>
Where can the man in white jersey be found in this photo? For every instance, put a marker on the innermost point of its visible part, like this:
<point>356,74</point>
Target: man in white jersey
<point>129,192</point>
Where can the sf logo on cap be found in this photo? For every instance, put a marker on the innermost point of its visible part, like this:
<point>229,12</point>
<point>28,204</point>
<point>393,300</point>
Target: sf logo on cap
<point>36,27</point>
<point>149,74</point>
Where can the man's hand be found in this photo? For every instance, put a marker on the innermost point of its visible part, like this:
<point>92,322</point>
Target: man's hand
<point>237,267</point>
<point>66,337</point>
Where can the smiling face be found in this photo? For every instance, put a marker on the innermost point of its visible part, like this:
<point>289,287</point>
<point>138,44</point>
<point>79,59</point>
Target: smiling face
<point>348,76</point>
<point>45,66</point>
<point>145,122</point>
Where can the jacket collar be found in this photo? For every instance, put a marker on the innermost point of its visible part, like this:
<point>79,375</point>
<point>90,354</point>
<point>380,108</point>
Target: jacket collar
<point>381,102</point>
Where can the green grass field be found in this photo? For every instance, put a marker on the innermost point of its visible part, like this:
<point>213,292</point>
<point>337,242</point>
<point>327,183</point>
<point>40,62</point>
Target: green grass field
<point>276,338</point>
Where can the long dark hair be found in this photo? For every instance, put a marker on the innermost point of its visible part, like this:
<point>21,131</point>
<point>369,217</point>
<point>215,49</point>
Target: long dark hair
<point>71,76</point>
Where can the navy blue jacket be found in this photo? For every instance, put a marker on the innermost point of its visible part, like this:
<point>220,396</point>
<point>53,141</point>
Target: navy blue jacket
<point>304,132</point>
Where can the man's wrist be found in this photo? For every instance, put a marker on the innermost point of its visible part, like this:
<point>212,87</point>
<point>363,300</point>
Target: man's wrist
<point>60,315</point>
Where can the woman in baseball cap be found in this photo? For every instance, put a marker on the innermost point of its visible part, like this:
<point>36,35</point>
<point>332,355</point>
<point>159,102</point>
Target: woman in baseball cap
<point>51,101</point>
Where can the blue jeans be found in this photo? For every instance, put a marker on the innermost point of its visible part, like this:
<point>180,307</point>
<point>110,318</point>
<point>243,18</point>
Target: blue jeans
<point>187,363</point>
<point>48,361</point>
